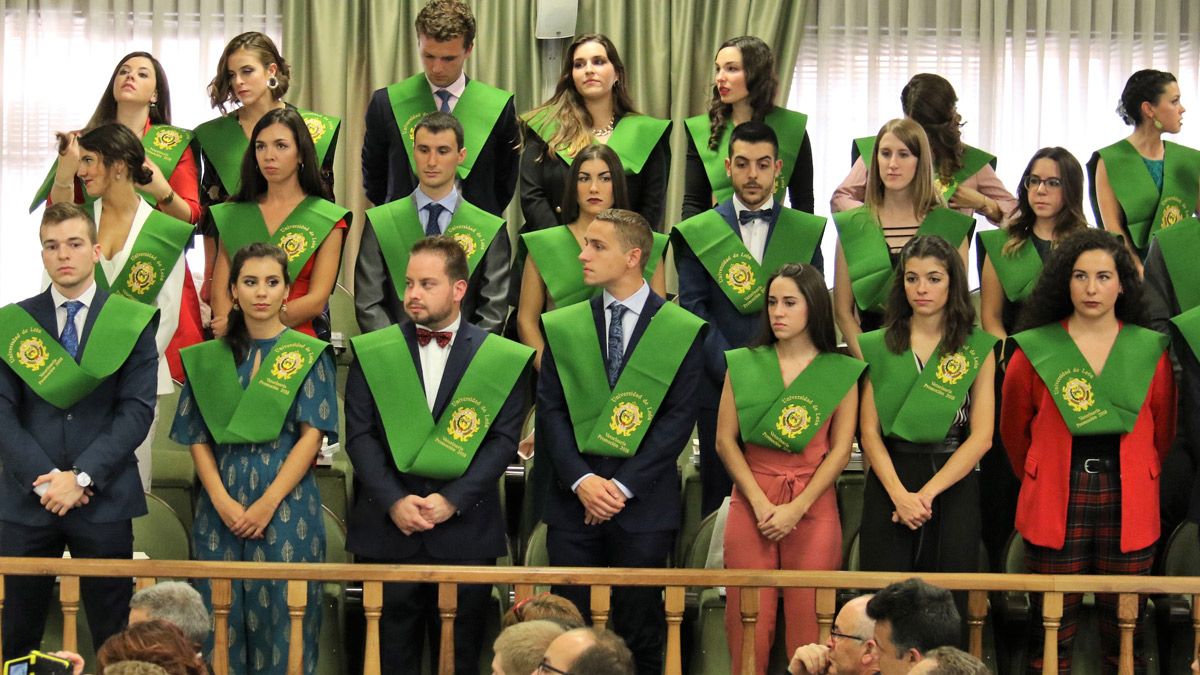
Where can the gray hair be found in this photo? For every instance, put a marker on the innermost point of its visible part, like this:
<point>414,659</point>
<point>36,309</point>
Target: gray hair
<point>177,603</point>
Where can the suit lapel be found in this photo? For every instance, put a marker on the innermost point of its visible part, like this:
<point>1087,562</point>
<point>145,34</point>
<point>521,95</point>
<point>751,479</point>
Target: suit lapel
<point>730,215</point>
<point>410,336</point>
<point>465,345</point>
<point>41,308</point>
<point>771,226</point>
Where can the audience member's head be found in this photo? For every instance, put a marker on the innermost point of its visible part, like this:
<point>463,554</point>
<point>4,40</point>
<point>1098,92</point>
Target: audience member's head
<point>949,661</point>
<point>609,656</point>
<point>156,642</point>
<point>176,603</point>
<point>133,668</point>
<point>849,643</point>
<point>546,606</point>
<point>519,648</point>
<point>561,655</point>
<point>911,617</point>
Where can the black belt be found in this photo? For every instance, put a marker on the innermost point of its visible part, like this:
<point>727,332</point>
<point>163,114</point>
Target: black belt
<point>1095,464</point>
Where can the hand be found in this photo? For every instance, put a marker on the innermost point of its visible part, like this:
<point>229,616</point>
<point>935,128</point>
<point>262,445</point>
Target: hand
<point>600,497</point>
<point>810,660</point>
<point>64,493</point>
<point>219,325</point>
<point>254,521</point>
<point>75,659</point>
<point>968,198</point>
<point>230,510</point>
<point>436,509</point>
<point>158,185</point>
<point>782,521</point>
<point>68,149</point>
<point>406,514</point>
<point>913,509</point>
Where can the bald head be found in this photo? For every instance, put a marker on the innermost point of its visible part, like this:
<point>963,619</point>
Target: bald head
<point>566,648</point>
<point>853,618</point>
<point>849,655</point>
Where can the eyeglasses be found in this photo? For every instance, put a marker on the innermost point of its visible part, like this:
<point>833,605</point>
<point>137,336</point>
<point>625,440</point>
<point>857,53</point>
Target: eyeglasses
<point>844,636</point>
<point>544,667</point>
<point>1033,182</point>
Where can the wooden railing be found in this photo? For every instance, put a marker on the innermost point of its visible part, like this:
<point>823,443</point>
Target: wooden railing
<point>524,579</point>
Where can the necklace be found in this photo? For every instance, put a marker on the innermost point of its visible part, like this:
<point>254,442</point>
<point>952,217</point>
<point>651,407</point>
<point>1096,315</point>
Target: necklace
<point>606,130</point>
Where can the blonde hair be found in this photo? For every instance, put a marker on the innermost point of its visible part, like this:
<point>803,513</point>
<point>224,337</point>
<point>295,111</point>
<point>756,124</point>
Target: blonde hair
<point>925,196</point>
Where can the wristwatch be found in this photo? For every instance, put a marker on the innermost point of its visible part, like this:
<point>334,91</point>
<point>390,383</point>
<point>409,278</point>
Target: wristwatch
<point>81,478</point>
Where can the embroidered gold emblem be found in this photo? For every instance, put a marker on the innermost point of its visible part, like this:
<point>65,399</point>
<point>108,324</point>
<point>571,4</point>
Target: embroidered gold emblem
<point>141,277</point>
<point>740,277</point>
<point>945,187</point>
<point>626,418</point>
<point>32,353</point>
<point>1077,392</point>
<point>466,241</point>
<point>166,139</point>
<point>287,364</point>
<point>793,420</point>
<point>410,125</point>
<point>464,424</point>
<point>1172,212</point>
<point>952,368</point>
<point>293,244</point>
<point>316,127</point>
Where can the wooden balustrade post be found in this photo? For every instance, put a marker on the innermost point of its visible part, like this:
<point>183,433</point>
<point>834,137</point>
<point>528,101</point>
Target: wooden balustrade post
<point>297,601</point>
<point>826,609</point>
<point>372,609</point>
<point>976,614</point>
<point>69,597</point>
<point>1127,616</point>
<point>2,582</point>
<point>674,610</point>
<point>142,583</point>
<point>522,592</point>
<point>1052,610</point>
<point>447,608</point>
<point>749,609</point>
<point>222,599</point>
<point>601,599</point>
<point>1196,626</point>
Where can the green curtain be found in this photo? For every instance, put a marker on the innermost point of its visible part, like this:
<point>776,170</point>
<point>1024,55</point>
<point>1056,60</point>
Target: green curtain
<point>342,50</point>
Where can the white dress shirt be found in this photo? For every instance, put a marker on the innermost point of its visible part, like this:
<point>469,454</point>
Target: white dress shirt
<point>60,312</point>
<point>456,89</point>
<point>754,233</point>
<point>433,361</point>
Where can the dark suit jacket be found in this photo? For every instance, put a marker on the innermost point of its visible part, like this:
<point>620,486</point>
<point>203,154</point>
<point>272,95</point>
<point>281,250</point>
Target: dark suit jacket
<point>98,434</point>
<point>477,530</point>
<point>378,305</point>
<point>388,176</point>
<point>699,294</point>
<point>650,474</point>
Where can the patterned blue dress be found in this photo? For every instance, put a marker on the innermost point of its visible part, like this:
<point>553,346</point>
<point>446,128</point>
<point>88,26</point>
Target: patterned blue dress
<point>258,619</point>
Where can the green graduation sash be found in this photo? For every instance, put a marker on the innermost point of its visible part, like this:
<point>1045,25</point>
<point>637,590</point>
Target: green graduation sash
<point>868,258</point>
<point>613,422</point>
<point>300,234</point>
<point>257,413</point>
<point>1180,246</point>
<point>555,251</point>
<point>398,226</point>
<point>37,357</point>
<point>164,145</point>
<point>1091,404</point>
<point>225,144</point>
<point>787,418</point>
<point>725,257</point>
<point>1146,210</point>
<point>1018,273</point>
<point>441,450</point>
<point>920,407</point>
<point>788,126</point>
<point>477,110</point>
<point>633,138</point>
<point>973,160</point>
<point>151,259</point>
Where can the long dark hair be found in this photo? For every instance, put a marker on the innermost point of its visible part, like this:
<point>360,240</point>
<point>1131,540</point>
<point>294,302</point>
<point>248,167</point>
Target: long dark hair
<point>1051,298</point>
<point>160,110</point>
<point>1144,86</point>
<point>116,144</point>
<point>220,89</point>
<point>570,201</point>
<point>930,101</point>
<point>762,83</point>
<point>236,334</point>
<point>254,184</point>
<point>958,316</point>
<point>811,283</point>
<point>1069,218</point>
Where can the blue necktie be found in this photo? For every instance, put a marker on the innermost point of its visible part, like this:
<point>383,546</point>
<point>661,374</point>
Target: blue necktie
<point>445,96</point>
<point>431,221</point>
<point>748,216</point>
<point>616,342</point>
<point>70,336</point>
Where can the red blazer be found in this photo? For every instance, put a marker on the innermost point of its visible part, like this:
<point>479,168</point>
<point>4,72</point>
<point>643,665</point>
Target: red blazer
<point>1039,447</point>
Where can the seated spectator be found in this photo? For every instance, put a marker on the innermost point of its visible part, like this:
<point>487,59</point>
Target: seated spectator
<point>176,603</point>
<point>134,668</point>
<point>911,618</point>
<point>608,656</point>
<point>519,648</point>
<point>850,649</point>
<point>949,661</point>
<point>546,606</point>
<point>156,642</point>
<point>561,655</point>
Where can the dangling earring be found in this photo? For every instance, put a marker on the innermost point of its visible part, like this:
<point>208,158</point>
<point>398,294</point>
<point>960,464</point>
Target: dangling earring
<point>272,83</point>
<point>236,306</point>
<point>153,106</point>
<point>283,308</point>
<point>1158,125</point>
<point>301,167</point>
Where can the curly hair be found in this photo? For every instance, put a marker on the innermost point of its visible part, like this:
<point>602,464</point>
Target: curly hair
<point>958,316</point>
<point>930,101</point>
<point>156,642</point>
<point>444,20</point>
<point>1069,218</point>
<point>160,111</point>
<point>1051,297</point>
<point>220,89</point>
<point>1144,86</point>
<point>762,83</point>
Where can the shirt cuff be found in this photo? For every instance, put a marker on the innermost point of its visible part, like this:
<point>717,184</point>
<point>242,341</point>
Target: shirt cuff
<point>575,485</point>
<point>628,494</point>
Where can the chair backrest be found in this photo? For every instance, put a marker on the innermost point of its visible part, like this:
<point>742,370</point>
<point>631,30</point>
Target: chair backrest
<point>535,549</point>
<point>697,552</point>
<point>343,323</point>
<point>1183,551</point>
<point>335,537</point>
<point>167,404</point>
<point>160,534</point>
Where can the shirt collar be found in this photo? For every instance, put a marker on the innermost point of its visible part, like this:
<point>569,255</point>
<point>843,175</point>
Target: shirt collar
<point>738,206</point>
<point>86,297</point>
<point>449,202</point>
<point>456,87</point>
<point>452,328</point>
<point>634,303</point>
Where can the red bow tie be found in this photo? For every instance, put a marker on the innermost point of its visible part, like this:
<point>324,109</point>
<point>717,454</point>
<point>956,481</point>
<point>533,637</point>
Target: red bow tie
<point>424,335</point>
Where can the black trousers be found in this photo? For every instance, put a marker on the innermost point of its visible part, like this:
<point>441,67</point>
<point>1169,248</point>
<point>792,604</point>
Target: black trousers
<point>637,612</point>
<point>715,483</point>
<point>27,599</point>
<point>410,615</point>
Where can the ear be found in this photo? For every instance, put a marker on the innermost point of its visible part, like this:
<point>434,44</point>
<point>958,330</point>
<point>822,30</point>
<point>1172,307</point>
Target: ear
<point>779,166</point>
<point>633,257</point>
<point>96,252</point>
<point>728,167</point>
<point>460,290</point>
<point>462,155</point>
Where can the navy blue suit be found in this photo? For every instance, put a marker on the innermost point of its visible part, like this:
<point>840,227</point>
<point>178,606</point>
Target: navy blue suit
<point>728,329</point>
<point>642,533</point>
<point>98,435</point>
<point>475,535</point>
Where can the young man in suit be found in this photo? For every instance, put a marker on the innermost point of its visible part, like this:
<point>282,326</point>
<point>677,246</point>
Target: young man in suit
<point>745,239</point>
<point>614,432</point>
<point>435,207</point>
<point>445,37</point>
<point>76,398</point>
<point>433,416</point>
